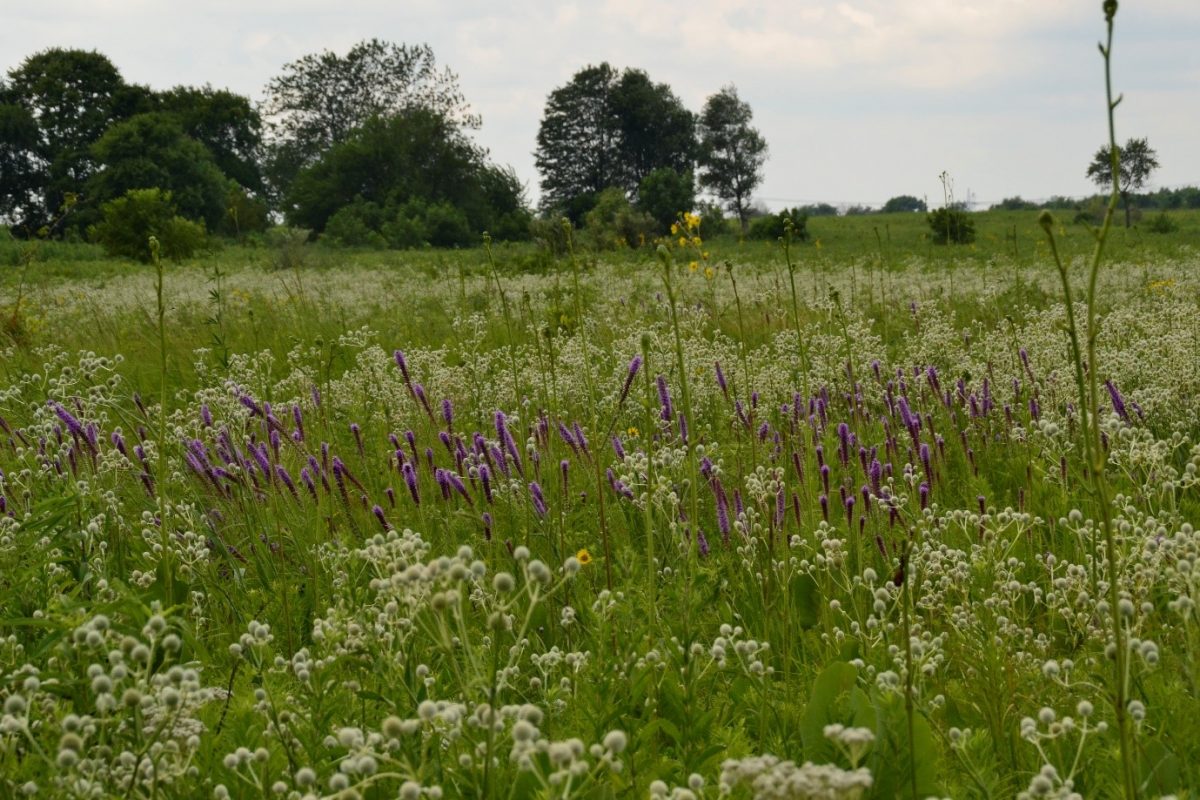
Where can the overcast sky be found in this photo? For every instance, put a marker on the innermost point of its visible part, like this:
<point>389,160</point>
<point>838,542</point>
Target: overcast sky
<point>859,100</point>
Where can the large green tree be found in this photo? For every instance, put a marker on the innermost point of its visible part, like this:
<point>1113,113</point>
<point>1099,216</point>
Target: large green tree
<point>1137,160</point>
<point>19,168</point>
<point>72,96</point>
<point>151,151</point>
<point>606,128</point>
<point>319,100</point>
<point>417,156</point>
<point>227,124</point>
<point>732,151</point>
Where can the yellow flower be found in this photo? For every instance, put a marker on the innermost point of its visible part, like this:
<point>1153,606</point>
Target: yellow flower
<point>584,556</point>
<point>633,432</point>
<point>683,241</point>
<point>696,241</point>
<point>691,220</point>
<point>674,228</point>
<point>709,272</point>
<point>704,255</point>
<point>693,266</point>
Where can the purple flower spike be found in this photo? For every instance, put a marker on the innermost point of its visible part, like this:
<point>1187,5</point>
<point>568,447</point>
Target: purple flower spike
<point>924,491</point>
<point>1118,402</point>
<point>634,366</point>
<point>618,448</point>
<point>664,398</point>
<point>721,383</point>
<point>378,512</point>
<point>825,507</point>
<point>410,479</point>
<point>206,416</point>
<point>448,412</point>
<point>402,363</point>
<point>539,502</point>
<point>485,478</point>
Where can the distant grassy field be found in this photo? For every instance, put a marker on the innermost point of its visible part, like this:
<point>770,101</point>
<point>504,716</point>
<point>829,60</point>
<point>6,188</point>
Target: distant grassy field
<point>821,523</point>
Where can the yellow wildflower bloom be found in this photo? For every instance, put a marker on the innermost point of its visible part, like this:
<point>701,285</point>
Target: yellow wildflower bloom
<point>584,556</point>
<point>683,241</point>
<point>693,266</point>
<point>709,272</point>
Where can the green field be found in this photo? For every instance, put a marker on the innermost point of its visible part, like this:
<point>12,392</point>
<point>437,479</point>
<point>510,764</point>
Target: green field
<point>807,523</point>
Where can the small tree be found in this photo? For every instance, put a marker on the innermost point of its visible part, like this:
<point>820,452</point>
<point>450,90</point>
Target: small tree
<point>664,193</point>
<point>1137,160</point>
<point>773,226</point>
<point>904,202</point>
<point>131,220</point>
<point>732,152</point>
<point>951,226</point>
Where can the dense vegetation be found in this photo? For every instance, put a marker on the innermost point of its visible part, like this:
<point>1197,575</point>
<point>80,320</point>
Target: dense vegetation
<point>397,517</point>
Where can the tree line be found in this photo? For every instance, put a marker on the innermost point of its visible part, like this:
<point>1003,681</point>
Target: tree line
<point>370,147</point>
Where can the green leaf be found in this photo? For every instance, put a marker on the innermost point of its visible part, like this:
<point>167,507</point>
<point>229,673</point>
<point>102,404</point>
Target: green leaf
<point>828,703</point>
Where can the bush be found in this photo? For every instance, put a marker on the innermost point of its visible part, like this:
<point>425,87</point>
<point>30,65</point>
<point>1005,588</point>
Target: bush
<point>664,194</point>
<point>243,214</point>
<point>1162,223</point>
<point>448,227</point>
<point>290,246</point>
<point>951,225</point>
<point>355,225</point>
<point>1016,203</point>
<point>615,223</point>
<point>772,226</point>
<point>712,220</point>
<point>904,203</point>
<point>129,221</point>
<point>407,229</point>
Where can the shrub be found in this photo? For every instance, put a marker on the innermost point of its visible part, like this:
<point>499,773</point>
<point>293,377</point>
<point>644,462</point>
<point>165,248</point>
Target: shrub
<point>951,226</point>
<point>712,220</point>
<point>904,202</point>
<point>129,221</point>
<point>1162,223</point>
<point>355,225</point>
<point>613,222</point>
<point>664,194</point>
<point>448,227</point>
<point>772,226</point>
<point>290,246</point>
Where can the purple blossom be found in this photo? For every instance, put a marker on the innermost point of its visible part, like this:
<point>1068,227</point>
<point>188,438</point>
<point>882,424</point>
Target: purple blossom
<point>634,366</point>
<point>721,380</point>
<point>539,501</point>
<point>664,398</point>
<point>410,479</point>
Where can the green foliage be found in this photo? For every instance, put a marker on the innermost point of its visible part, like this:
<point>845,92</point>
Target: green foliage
<point>904,202</point>
<point>1014,204</point>
<point>72,96</point>
<point>613,222</point>
<point>772,226</point>
<point>320,100</point>
<point>244,214</point>
<point>664,194</point>
<point>227,124</point>
<point>607,128</point>
<point>951,226</point>
<point>819,210</point>
<point>418,156</point>
<point>151,151</point>
<point>712,219</point>
<point>732,152</point>
<point>1137,160</point>
<point>1162,222</point>
<point>129,222</point>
